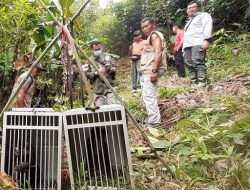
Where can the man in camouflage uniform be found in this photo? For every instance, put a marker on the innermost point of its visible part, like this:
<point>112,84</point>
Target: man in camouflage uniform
<point>106,64</point>
<point>25,94</point>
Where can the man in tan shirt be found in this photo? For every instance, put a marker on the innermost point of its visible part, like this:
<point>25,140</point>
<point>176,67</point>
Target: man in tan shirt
<point>136,51</point>
<point>153,65</point>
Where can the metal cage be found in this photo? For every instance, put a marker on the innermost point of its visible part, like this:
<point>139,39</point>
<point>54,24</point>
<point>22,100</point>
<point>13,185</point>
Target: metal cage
<point>97,143</point>
<point>31,148</point>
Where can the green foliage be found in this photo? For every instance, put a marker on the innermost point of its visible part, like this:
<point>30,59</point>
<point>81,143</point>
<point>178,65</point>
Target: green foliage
<point>209,151</point>
<point>220,54</point>
<point>18,19</point>
<point>226,10</point>
<point>108,27</point>
<point>165,92</point>
<point>5,68</point>
<point>135,106</point>
<point>129,12</point>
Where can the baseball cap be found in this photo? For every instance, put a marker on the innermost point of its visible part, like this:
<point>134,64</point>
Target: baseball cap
<point>137,33</point>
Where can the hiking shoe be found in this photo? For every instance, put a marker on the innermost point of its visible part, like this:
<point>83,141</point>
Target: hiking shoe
<point>201,84</point>
<point>151,125</point>
<point>194,86</point>
<point>134,91</point>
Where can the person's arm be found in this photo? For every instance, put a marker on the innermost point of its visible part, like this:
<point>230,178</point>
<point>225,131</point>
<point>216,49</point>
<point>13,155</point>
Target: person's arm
<point>157,45</point>
<point>21,97</point>
<point>207,23</point>
<point>90,74</point>
<point>113,66</point>
<point>130,50</point>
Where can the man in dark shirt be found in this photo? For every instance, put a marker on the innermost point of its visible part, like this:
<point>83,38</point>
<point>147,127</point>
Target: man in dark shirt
<point>106,64</point>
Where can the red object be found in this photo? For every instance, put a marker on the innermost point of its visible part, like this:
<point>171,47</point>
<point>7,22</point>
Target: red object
<point>64,37</point>
<point>178,40</point>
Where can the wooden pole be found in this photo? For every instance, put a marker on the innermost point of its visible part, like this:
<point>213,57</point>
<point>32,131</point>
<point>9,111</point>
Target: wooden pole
<point>78,61</point>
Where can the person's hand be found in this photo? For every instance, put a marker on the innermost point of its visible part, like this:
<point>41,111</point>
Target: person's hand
<point>205,44</point>
<point>153,77</point>
<point>102,70</point>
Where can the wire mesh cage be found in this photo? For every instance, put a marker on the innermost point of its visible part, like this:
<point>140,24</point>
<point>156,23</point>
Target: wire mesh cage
<point>31,148</point>
<point>98,146</point>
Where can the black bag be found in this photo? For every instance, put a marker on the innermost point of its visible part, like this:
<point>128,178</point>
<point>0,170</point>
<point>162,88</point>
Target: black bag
<point>135,57</point>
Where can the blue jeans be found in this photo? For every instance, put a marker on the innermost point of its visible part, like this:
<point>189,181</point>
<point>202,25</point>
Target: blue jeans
<point>135,74</point>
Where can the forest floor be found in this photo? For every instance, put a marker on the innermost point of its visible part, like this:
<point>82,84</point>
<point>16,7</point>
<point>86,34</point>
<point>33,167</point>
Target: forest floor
<point>204,134</point>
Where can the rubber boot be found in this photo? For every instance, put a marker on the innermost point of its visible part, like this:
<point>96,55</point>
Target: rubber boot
<point>193,77</point>
<point>202,78</point>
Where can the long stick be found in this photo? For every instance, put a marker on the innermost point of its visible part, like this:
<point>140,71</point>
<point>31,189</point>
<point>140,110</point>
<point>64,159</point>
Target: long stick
<point>13,95</point>
<point>77,14</point>
<point>139,126</point>
<point>78,61</point>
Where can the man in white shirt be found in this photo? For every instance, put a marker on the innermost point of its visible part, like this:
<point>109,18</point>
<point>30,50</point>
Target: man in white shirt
<point>197,38</point>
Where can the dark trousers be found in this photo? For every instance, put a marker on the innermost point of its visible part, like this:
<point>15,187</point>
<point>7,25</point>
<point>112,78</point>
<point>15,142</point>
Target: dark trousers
<point>195,61</point>
<point>135,75</point>
<point>179,63</point>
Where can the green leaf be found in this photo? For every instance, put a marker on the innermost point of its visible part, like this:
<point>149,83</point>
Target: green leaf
<point>237,138</point>
<point>163,144</point>
<point>185,151</point>
<point>205,157</point>
<point>203,147</point>
<point>184,123</point>
<point>153,140</point>
<point>154,131</point>
<point>173,168</point>
<point>139,149</point>
<point>65,4</point>
<point>208,110</point>
<point>239,141</point>
<point>230,151</point>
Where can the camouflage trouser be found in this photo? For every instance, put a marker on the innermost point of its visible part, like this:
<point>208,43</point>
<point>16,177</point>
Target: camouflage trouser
<point>106,98</point>
<point>195,61</point>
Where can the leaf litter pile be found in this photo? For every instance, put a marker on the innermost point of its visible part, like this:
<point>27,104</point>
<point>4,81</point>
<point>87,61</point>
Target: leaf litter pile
<point>204,136</point>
